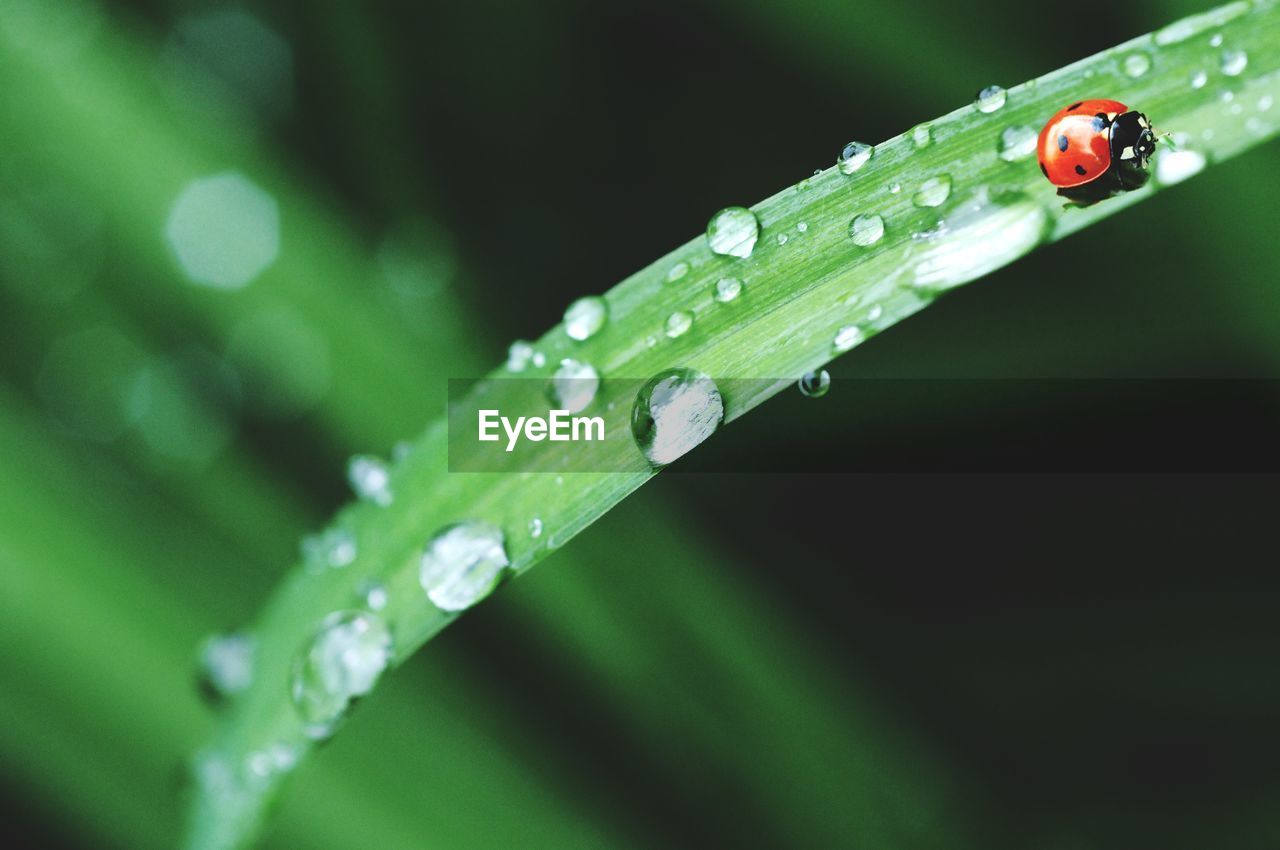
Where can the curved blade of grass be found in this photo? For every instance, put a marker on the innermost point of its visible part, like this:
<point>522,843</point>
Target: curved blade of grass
<point>799,294</point>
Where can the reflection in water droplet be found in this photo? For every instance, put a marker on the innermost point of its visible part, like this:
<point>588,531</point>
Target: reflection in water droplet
<point>733,231</point>
<point>677,271</point>
<point>463,564</point>
<point>990,99</point>
<point>1017,143</point>
<point>675,411</point>
<point>982,235</point>
<point>1174,166</point>
<point>1234,62</point>
<point>866,229</point>
<point>933,192</point>
<point>727,289</point>
<point>854,156</point>
<point>370,479</point>
<point>226,664</point>
<point>573,386</point>
<point>342,662</point>
<point>1137,64</point>
<point>814,384</point>
<point>678,323</point>
<point>584,317</point>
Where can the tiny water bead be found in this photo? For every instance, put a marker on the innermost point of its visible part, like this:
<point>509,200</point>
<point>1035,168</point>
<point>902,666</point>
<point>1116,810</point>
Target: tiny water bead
<point>990,99</point>
<point>733,232</point>
<point>814,384</point>
<point>343,661</point>
<point>1137,64</point>
<point>535,528</point>
<point>933,192</point>
<point>677,271</point>
<point>334,547</point>
<point>802,227</point>
<point>678,323</point>
<point>521,354</point>
<point>573,386</point>
<point>1215,40</point>
<point>463,564</point>
<point>1234,62</point>
<point>854,156</point>
<point>585,317</point>
<point>370,479</point>
<point>226,664</point>
<point>728,289</point>
<point>374,594</point>
<point>1199,79</point>
<point>894,188</point>
<point>874,312</point>
<point>921,136</point>
<point>674,412</point>
<point>846,338</point>
<point>782,239</point>
<point>1174,166</point>
<point>866,229</point>
<point>275,760</point>
<point>1017,143</point>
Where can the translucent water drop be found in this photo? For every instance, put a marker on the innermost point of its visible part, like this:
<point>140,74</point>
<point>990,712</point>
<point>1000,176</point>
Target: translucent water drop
<point>463,564</point>
<point>1199,79</point>
<point>226,664</point>
<point>1215,40</point>
<point>854,156</point>
<point>933,192</point>
<point>1234,62</point>
<point>782,239</point>
<point>922,136</point>
<point>573,386</point>
<point>370,479</point>
<point>727,289</point>
<point>1265,102</point>
<point>1174,166</point>
<point>334,547</point>
<point>343,661</point>
<point>265,765</point>
<point>866,229</point>
<point>1137,64</point>
<point>895,188</point>
<point>874,312</point>
<point>733,232</point>
<point>982,235</point>
<point>1017,143</point>
<point>535,528</point>
<point>374,594</point>
<point>585,316</point>
<point>802,227</point>
<point>814,384</point>
<point>846,338</point>
<point>678,323</point>
<point>990,99</point>
<point>677,271</point>
<point>674,412</point>
<point>519,355</point>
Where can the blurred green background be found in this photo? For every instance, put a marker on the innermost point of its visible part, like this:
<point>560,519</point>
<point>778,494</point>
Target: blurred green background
<point>240,242</point>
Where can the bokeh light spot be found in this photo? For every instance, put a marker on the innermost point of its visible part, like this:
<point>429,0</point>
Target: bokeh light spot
<point>224,230</point>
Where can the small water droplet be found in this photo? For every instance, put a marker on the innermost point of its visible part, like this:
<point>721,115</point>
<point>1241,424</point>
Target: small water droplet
<point>874,312</point>
<point>990,99</point>
<point>370,479</point>
<point>342,662</point>
<point>1265,102</point>
<point>1234,62</point>
<point>677,271</point>
<point>1137,64</point>
<point>727,289</point>
<point>374,594</point>
<point>226,664</point>
<point>585,317</point>
<point>814,384</point>
<point>782,239</point>
<point>674,412</point>
<point>802,227</point>
<point>539,360</point>
<point>854,156</point>
<point>847,337</point>
<point>334,547</point>
<point>1017,143</point>
<point>1215,40</point>
<point>573,386</point>
<point>265,765</point>
<point>678,323</point>
<point>852,300</point>
<point>933,192</point>
<point>894,188</point>
<point>921,136</point>
<point>866,229</point>
<point>733,232</point>
<point>519,355</point>
<point>1199,79</point>
<point>535,528</point>
<point>463,564</point>
<point>1174,166</point>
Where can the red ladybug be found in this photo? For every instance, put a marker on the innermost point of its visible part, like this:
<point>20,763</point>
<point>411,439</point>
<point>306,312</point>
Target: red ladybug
<point>1094,149</point>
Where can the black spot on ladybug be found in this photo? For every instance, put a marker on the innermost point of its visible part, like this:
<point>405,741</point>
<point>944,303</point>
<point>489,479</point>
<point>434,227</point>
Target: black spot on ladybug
<point>1073,107</point>
<point>1062,143</point>
<point>1044,170</point>
<point>1098,123</point>
<point>1080,170</point>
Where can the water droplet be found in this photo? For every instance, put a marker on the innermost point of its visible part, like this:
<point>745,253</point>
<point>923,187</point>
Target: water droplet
<point>852,300</point>
<point>782,239</point>
<point>370,479</point>
<point>727,289</point>
<point>1174,166</point>
<point>342,662</point>
<point>854,156</point>
<point>990,99</point>
<point>802,227</point>
<point>1234,62</point>
<point>519,355</point>
<point>921,136</point>
<point>374,594</point>
<point>535,528</point>
<point>1017,143</point>
<point>895,188</point>
<point>585,316</point>
<point>334,547</point>
<point>674,412</point>
<point>226,664</point>
<point>733,231</point>
<point>1199,79</point>
<point>933,192</point>
<point>866,229</point>
<point>847,337</point>
<point>677,271</point>
<point>678,323</point>
<point>814,384</point>
<point>874,312</point>
<point>1137,64</point>
<point>1265,102</point>
<point>1215,40</point>
<point>463,564</point>
<point>573,386</point>
<point>982,235</point>
<point>264,765</point>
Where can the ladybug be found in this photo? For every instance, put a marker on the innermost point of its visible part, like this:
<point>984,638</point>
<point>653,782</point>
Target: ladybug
<point>1094,149</point>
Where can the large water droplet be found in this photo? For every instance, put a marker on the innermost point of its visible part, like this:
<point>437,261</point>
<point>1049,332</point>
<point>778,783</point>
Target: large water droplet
<point>462,564</point>
<point>226,664</point>
<point>678,323</point>
<point>1017,143</point>
<point>585,316</point>
<point>982,235</point>
<point>1137,64</point>
<point>854,156</point>
<point>1234,62</point>
<point>846,338</point>
<point>990,99</point>
<point>342,662</point>
<point>1199,79</point>
<point>933,192</point>
<point>677,271</point>
<point>674,412</point>
<point>866,229</point>
<point>727,289</point>
<point>814,384</point>
<point>370,479</point>
<point>1175,166</point>
<point>573,386</point>
<point>733,231</point>
<point>921,136</point>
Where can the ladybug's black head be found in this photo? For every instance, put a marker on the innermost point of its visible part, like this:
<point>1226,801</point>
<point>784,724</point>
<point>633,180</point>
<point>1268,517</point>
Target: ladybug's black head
<point>1132,140</point>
